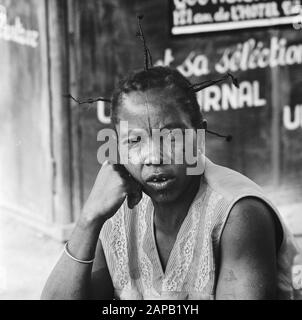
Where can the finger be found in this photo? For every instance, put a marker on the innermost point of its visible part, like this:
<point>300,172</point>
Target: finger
<point>134,191</point>
<point>130,202</point>
<point>137,198</point>
<point>133,199</point>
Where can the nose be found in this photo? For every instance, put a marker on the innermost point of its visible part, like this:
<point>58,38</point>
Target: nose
<point>153,154</point>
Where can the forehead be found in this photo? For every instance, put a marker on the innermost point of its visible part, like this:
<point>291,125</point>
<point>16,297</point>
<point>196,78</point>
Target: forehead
<point>155,107</point>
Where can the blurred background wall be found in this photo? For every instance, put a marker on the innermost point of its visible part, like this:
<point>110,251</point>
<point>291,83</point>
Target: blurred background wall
<point>48,144</point>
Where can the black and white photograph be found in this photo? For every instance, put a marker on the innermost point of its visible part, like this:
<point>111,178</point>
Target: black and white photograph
<point>150,150</point>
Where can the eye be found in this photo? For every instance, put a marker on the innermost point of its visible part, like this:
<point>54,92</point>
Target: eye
<point>174,135</point>
<point>171,136</point>
<point>134,140</point>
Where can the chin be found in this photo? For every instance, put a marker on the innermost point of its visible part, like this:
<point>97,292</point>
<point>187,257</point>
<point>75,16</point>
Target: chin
<point>163,196</point>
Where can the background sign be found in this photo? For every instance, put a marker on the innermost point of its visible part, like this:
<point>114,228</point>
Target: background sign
<point>263,115</point>
<point>197,16</point>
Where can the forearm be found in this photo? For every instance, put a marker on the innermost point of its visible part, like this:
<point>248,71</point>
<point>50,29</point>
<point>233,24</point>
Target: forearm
<point>71,279</point>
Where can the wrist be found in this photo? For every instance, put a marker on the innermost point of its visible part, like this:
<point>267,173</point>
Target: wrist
<point>91,222</point>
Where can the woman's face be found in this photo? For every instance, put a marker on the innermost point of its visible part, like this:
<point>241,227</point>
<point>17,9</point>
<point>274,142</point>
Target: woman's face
<point>146,114</point>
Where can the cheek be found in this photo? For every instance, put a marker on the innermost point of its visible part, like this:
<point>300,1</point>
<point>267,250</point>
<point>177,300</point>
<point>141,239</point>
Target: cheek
<point>178,152</point>
<point>135,156</point>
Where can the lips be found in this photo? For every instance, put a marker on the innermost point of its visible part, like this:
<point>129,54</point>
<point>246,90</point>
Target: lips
<point>159,177</point>
<point>160,181</point>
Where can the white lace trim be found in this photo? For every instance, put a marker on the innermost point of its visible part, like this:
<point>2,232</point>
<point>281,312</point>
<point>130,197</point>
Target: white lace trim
<point>174,280</point>
<point>204,265</point>
<point>145,264</point>
<point>118,243</point>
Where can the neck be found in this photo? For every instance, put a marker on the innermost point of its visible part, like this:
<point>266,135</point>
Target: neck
<point>168,217</point>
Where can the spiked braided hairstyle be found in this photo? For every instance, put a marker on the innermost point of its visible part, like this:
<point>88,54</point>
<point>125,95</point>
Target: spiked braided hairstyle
<point>158,78</point>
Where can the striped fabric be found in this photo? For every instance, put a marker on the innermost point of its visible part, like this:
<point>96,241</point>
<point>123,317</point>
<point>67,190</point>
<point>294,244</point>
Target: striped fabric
<point>191,272</point>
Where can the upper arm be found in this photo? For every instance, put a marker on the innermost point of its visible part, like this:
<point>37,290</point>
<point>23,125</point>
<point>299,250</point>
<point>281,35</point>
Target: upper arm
<point>101,283</point>
<point>248,266</point>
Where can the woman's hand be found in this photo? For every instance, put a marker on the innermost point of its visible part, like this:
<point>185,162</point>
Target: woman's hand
<point>71,279</point>
<point>112,185</point>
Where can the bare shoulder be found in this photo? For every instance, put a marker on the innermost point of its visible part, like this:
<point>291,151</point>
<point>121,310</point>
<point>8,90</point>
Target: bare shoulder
<point>250,223</point>
<point>250,211</point>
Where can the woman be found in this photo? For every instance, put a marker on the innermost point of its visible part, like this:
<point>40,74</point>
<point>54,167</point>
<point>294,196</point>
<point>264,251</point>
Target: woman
<point>213,235</point>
